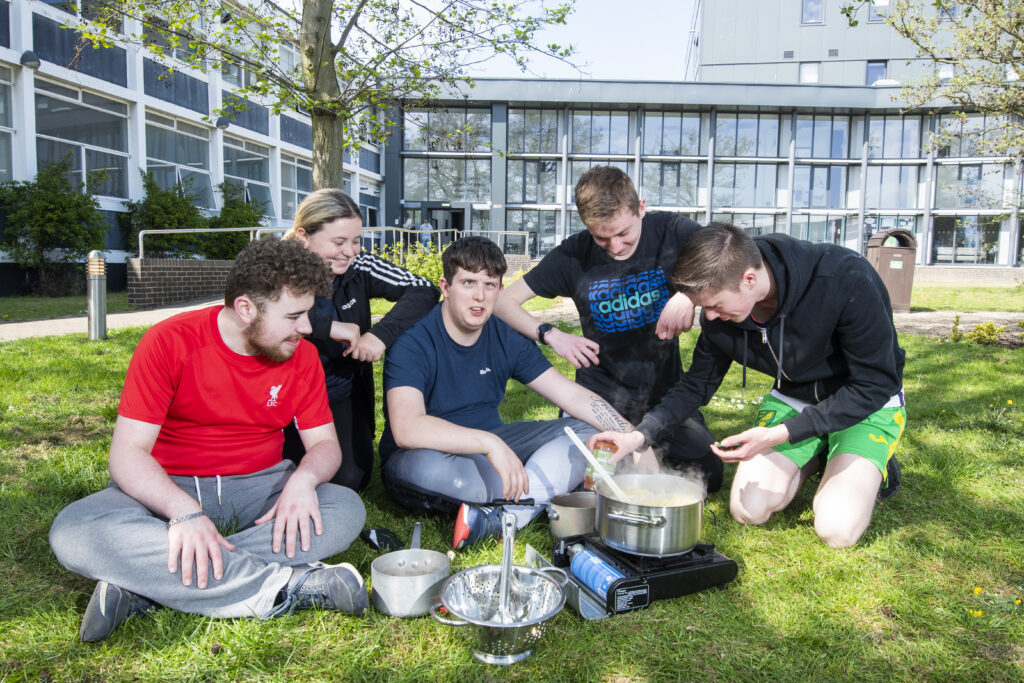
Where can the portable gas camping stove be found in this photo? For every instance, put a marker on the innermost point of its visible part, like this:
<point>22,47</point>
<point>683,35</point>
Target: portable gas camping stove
<point>645,579</point>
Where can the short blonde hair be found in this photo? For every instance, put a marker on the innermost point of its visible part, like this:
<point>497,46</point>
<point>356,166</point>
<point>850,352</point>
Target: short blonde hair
<point>602,192</point>
<point>322,206</point>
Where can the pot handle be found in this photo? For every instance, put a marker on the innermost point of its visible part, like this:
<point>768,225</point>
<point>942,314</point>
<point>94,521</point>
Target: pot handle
<point>558,574</point>
<point>655,521</point>
<point>449,622</point>
<point>553,514</point>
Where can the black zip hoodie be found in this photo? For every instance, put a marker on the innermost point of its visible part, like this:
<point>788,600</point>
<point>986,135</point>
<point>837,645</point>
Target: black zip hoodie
<point>830,343</point>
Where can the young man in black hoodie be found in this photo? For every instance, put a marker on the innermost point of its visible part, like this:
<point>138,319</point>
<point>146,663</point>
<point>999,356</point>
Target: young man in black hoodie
<point>817,318</point>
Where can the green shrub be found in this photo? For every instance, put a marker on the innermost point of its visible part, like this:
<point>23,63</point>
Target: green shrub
<point>415,258</point>
<point>237,213</point>
<point>162,209</point>
<point>955,334</point>
<point>985,333</point>
<point>51,224</point>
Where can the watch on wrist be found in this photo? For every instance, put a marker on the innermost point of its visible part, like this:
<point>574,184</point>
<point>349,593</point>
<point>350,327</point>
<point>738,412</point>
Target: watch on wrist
<point>543,329</point>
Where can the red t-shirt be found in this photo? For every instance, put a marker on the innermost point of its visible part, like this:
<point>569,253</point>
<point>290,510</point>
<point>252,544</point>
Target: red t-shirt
<point>219,412</point>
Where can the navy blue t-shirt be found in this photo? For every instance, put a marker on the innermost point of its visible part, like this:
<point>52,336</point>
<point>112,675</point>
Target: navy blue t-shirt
<point>461,384</point>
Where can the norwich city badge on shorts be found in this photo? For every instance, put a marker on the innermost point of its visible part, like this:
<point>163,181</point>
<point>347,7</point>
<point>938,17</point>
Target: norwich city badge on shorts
<point>765,417</point>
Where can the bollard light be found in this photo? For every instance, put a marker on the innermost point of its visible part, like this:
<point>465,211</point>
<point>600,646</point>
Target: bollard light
<point>96,278</point>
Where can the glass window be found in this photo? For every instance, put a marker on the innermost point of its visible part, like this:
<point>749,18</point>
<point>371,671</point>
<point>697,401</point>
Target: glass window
<point>454,130</point>
<point>179,152</point>
<point>970,186</point>
<point>296,183</point>
<point>966,239</point>
<point>966,138</point>
<point>753,223</point>
<point>768,136</point>
<point>6,132</point>
<point>810,72</point>
<point>532,182</point>
<point>725,135</point>
<point>891,187</point>
<point>414,173</point>
<point>533,131</point>
<point>540,227</point>
<point>812,12</point>
<point>894,137</point>
<point>92,129</point>
<point>876,70</point>
<point>249,165</point>
<point>600,132</point>
<point>669,184</point>
<point>749,185</point>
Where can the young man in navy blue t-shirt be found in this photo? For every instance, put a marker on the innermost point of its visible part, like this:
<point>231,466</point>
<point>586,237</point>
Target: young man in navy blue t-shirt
<point>444,443</point>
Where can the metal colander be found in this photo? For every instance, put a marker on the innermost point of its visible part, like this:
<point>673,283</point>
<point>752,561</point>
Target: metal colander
<point>473,597</point>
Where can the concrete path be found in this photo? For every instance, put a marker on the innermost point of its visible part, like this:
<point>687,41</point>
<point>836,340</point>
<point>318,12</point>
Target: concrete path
<point>80,325</point>
<point>926,323</point>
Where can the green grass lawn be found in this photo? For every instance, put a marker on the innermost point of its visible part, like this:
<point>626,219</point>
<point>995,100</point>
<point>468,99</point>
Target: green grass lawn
<point>928,297</point>
<point>932,592</point>
<point>14,308</point>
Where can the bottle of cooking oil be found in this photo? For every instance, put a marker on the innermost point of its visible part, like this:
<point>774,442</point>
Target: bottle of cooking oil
<point>603,451</point>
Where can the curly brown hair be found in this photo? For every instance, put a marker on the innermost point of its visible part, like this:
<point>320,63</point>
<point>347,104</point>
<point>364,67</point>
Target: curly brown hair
<point>265,267</point>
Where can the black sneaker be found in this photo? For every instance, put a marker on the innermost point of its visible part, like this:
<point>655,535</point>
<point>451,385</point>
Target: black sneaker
<point>325,586</point>
<point>474,524</point>
<point>893,479</point>
<point>109,607</point>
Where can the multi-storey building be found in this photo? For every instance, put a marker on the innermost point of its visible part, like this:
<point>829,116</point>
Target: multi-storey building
<point>120,109</point>
<point>795,125</point>
<point>822,153</point>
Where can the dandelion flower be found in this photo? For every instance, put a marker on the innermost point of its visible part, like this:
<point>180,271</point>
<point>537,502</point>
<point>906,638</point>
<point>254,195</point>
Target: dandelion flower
<point>1017,601</point>
<point>1009,401</point>
<point>991,405</point>
<point>977,590</point>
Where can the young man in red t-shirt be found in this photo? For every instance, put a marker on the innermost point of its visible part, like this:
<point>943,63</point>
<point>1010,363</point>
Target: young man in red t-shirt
<point>196,451</point>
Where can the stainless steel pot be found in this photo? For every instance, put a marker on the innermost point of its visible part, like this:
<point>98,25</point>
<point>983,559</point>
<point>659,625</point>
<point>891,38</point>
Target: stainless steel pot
<point>572,514</point>
<point>651,530</point>
<point>406,583</point>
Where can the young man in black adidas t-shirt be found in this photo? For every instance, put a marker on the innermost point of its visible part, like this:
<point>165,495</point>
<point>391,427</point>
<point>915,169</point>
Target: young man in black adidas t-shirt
<point>617,274</point>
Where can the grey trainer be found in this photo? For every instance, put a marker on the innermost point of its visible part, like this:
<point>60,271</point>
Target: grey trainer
<point>109,607</point>
<point>325,586</point>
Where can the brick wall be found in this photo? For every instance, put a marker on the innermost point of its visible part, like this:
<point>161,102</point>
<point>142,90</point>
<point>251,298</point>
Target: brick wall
<point>516,263</point>
<point>969,275</point>
<point>163,281</point>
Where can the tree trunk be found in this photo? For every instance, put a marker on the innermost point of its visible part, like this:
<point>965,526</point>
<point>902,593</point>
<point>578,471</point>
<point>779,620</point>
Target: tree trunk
<point>320,78</point>
<point>328,143</point>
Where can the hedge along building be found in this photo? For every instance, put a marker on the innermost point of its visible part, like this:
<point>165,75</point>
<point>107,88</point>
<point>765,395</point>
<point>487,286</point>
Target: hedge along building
<point>120,109</point>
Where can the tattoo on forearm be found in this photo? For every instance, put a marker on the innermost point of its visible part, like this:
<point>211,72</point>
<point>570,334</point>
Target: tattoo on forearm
<point>606,416</point>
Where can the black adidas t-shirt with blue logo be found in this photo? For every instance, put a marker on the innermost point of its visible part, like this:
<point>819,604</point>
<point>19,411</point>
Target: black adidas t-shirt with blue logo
<point>619,303</point>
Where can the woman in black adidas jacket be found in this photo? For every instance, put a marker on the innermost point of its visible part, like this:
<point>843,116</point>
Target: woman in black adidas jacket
<point>328,222</point>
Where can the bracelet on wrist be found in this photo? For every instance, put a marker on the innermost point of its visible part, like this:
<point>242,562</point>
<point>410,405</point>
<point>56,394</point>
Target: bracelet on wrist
<point>185,518</point>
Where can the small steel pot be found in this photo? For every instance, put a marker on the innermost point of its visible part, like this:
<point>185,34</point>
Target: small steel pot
<point>406,583</point>
<point>651,530</point>
<point>572,514</point>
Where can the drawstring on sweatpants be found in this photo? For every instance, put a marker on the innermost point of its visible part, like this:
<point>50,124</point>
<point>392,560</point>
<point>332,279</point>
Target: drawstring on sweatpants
<point>199,494</point>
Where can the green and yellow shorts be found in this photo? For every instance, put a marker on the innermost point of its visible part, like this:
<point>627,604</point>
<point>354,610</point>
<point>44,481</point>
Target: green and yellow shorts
<point>873,438</point>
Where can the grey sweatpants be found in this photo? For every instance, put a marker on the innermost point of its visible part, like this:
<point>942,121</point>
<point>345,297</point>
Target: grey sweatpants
<point>110,536</point>
<point>553,466</point>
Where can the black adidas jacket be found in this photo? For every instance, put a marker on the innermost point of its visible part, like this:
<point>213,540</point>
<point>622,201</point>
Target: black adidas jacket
<point>368,277</point>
